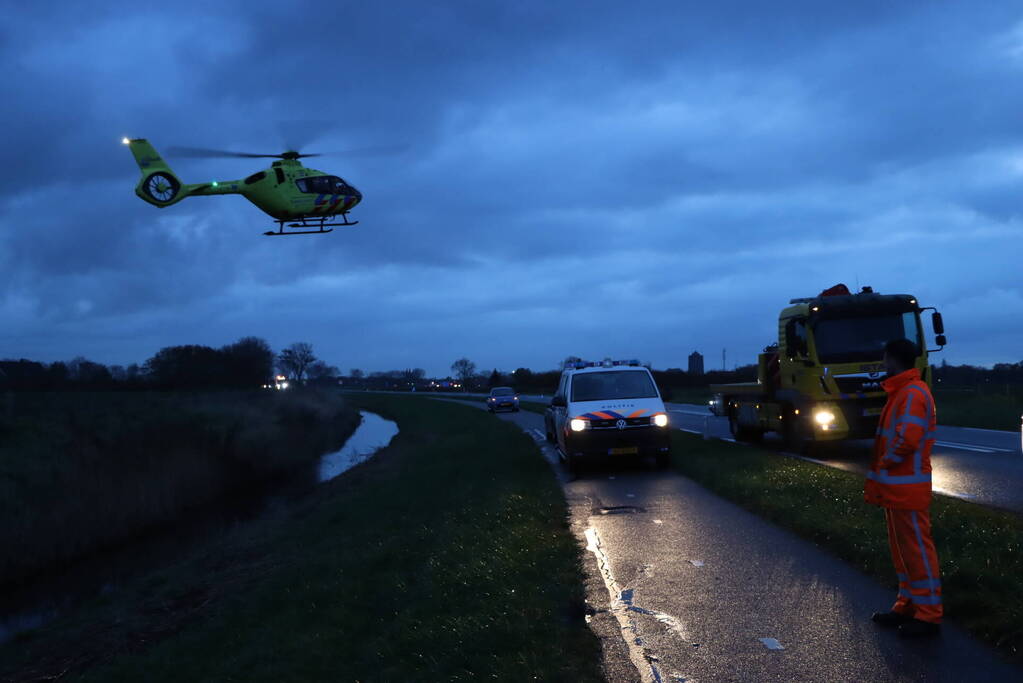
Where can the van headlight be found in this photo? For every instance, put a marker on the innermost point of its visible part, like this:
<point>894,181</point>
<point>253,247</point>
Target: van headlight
<point>579,425</point>
<point>660,420</point>
<point>824,417</point>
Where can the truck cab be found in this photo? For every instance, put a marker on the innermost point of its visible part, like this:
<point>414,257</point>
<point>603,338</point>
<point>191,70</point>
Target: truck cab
<point>822,380</point>
<point>608,410</point>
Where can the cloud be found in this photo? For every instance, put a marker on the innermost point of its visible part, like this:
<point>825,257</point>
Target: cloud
<point>577,179</point>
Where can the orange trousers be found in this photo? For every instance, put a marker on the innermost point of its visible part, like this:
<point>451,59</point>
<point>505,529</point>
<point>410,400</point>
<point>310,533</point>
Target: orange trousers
<point>916,563</point>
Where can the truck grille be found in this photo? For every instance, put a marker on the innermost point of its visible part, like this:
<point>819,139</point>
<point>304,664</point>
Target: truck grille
<point>858,385</point>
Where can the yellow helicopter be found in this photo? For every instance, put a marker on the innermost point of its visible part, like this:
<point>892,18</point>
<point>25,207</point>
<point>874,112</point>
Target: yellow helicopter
<point>301,199</point>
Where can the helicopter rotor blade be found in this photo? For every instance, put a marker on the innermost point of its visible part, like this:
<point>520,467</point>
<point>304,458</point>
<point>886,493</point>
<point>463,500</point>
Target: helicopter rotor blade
<point>203,153</point>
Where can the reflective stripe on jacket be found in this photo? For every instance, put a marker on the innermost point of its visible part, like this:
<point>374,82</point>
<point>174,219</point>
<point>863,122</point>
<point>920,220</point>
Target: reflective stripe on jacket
<point>900,473</point>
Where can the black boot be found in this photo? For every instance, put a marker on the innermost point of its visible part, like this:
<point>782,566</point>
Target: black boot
<point>914,628</point>
<point>889,618</point>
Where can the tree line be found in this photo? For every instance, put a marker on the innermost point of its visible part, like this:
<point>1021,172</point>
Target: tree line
<point>248,363</point>
<point>466,377</point>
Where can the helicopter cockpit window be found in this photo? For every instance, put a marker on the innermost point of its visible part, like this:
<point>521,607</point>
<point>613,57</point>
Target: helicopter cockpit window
<point>324,184</point>
<point>255,177</point>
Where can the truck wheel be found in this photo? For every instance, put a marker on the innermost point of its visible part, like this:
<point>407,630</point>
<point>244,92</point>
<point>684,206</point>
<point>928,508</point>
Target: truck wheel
<point>744,434</point>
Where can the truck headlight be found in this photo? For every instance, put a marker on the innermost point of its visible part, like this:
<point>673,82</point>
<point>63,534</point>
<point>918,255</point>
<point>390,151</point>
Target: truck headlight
<point>660,419</point>
<point>824,417</point>
<point>578,425</point>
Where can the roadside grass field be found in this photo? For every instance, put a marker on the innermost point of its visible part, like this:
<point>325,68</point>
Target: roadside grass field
<point>980,549</point>
<point>447,556</point>
<point>80,471</point>
<point>987,410</point>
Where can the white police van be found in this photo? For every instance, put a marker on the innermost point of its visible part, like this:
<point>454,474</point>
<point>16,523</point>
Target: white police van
<point>608,410</point>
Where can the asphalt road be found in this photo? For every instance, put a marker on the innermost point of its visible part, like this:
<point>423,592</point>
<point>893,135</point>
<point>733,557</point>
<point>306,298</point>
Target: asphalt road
<point>980,465</point>
<point>689,587</point>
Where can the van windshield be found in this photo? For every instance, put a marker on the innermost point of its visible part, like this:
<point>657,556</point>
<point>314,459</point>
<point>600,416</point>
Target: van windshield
<point>614,384</point>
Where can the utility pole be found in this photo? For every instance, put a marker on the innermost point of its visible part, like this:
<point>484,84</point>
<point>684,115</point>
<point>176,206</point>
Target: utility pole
<point>724,366</point>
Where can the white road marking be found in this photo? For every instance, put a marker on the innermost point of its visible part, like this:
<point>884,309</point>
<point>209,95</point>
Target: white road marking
<point>691,431</point>
<point>630,495</point>
<point>989,431</point>
<point>539,434</point>
<point>693,412</point>
<point>971,447</point>
<point>696,563</point>
<point>658,521</point>
<point>771,643</point>
<point>647,669</point>
<point>729,440</point>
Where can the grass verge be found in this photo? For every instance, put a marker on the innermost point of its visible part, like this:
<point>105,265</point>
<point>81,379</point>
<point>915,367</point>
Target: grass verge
<point>992,410</point>
<point>83,471</point>
<point>980,549</point>
<point>445,557</point>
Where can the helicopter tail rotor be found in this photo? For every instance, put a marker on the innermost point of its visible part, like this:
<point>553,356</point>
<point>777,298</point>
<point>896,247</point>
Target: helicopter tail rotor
<point>159,185</point>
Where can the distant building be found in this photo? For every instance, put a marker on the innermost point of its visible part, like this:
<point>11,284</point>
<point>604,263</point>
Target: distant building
<point>696,363</point>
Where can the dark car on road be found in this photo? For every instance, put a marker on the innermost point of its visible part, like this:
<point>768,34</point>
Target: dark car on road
<point>502,398</point>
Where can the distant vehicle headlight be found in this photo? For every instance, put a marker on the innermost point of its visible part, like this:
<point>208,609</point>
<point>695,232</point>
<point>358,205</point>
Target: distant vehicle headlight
<point>824,417</point>
<point>660,419</point>
<point>578,425</point>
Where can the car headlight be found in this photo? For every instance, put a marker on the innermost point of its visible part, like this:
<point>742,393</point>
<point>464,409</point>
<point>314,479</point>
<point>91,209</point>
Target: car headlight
<point>660,419</point>
<point>578,425</point>
<point>824,417</point>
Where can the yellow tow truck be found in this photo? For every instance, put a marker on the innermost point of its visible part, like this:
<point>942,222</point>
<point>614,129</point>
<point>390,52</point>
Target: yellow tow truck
<point>821,382</point>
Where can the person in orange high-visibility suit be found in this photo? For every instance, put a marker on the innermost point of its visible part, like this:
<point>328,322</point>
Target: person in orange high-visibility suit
<point>899,481</point>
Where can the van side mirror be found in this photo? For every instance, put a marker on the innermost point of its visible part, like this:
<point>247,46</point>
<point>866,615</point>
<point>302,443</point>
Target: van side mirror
<point>559,402</point>
<point>938,324</point>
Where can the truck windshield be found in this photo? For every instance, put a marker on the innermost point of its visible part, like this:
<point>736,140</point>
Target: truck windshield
<point>843,340</point>
<point>614,384</point>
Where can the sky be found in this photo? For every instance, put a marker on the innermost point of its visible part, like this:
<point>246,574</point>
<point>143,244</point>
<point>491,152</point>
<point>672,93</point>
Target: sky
<point>571,178</point>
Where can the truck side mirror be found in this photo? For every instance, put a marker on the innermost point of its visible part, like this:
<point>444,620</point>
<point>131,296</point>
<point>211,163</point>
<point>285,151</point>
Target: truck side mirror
<point>938,324</point>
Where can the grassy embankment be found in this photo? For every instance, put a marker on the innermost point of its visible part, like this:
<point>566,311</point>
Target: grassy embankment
<point>447,556</point>
<point>981,549</point>
<point>985,409</point>
<point>80,472</point>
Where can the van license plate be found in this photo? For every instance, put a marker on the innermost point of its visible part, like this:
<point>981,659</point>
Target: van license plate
<point>872,411</point>
<point>631,450</point>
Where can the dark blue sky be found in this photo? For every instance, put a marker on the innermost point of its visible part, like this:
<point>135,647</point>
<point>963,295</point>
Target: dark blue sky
<point>585,178</point>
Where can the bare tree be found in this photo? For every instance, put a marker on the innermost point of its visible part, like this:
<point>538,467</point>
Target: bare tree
<point>464,369</point>
<point>295,359</point>
<point>355,373</point>
<point>318,370</point>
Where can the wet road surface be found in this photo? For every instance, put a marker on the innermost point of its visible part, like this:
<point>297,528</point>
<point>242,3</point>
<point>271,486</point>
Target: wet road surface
<point>979,465</point>
<point>692,588</point>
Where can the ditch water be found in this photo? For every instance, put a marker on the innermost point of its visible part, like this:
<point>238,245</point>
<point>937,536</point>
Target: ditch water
<point>31,606</point>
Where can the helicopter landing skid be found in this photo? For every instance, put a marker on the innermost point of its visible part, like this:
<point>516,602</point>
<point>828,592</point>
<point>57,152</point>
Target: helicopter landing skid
<point>319,224</point>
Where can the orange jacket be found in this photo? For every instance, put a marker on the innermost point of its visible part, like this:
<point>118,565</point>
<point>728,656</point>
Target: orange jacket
<point>900,473</point>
